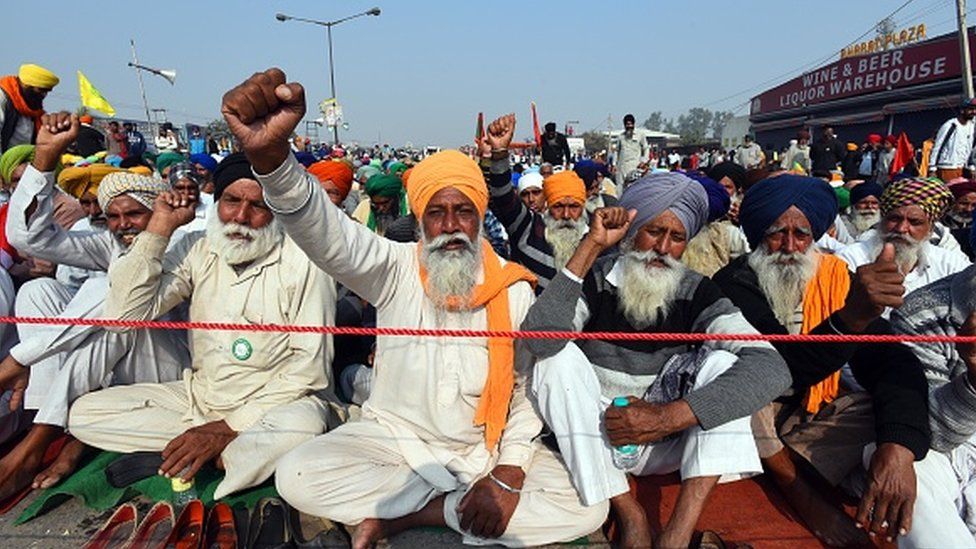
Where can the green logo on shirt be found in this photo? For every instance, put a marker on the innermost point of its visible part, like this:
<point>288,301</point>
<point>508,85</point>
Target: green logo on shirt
<point>242,349</point>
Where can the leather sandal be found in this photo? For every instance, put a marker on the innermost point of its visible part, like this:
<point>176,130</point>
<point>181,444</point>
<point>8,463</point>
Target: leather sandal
<point>220,532</point>
<point>268,527</point>
<point>188,531</point>
<point>711,540</point>
<point>117,530</point>
<point>131,468</point>
<point>153,531</point>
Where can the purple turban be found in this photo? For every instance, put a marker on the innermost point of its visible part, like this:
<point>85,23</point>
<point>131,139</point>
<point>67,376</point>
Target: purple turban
<point>767,200</point>
<point>658,192</point>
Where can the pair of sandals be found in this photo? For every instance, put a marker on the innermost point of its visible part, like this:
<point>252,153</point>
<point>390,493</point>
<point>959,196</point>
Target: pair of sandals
<point>266,527</point>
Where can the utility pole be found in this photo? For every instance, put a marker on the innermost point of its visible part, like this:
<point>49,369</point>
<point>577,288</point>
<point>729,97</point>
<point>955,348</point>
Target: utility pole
<point>967,69</point>
<point>142,89</point>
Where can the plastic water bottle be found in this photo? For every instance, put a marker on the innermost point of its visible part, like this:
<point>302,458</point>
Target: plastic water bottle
<point>625,457</point>
<point>183,492</point>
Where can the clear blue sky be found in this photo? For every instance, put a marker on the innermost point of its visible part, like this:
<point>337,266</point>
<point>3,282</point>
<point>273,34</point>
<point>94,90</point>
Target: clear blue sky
<point>422,71</point>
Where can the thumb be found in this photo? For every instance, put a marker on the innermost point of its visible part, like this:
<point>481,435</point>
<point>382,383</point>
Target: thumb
<point>291,94</point>
<point>887,254</point>
<point>631,214</point>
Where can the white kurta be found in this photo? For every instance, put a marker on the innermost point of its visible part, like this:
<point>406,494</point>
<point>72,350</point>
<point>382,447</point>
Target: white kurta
<point>420,414</point>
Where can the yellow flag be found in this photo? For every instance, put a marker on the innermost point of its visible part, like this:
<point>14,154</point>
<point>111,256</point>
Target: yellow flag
<point>91,97</point>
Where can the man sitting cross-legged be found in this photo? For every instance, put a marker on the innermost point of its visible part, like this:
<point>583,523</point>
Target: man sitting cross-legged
<point>54,365</point>
<point>447,435</point>
<point>689,404</point>
<point>787,286</point>
<point>248,398</point>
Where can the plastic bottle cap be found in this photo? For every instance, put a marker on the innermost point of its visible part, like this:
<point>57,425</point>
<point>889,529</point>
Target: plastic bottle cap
<point>621,402</point>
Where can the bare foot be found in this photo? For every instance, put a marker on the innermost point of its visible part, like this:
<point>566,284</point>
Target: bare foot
<point>63,465</point>
<point>634,531</point>
<point>18,468</point>
<point>668,540</point>
<point>830,524</point>
<point>368,533</point>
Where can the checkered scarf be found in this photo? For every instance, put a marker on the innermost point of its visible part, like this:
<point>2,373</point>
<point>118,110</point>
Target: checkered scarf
<point>930,194</point>
<point>140,188</point>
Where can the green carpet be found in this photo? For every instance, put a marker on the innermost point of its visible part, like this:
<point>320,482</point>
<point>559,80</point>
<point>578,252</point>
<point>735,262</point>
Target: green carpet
<point>90,483</point>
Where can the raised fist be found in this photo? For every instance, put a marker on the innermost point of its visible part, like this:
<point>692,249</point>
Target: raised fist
<point>171,210</point>
<point>500,132</point>
<point>609,225</point>
<point>262,113</point>
<point>58,131</point>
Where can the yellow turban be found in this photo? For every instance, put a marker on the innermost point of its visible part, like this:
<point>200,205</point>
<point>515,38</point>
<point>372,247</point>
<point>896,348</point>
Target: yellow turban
<point>443,170</point>
<point>37,76</point>
<point>76,181</point>
<point>565,184</point>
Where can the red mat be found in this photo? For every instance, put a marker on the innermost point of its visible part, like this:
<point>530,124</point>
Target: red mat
<point>50,455</point>
<point>748,511</point>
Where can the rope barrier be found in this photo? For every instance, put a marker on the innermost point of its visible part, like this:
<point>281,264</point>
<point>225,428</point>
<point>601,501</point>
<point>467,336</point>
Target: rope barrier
<point>515,334</point>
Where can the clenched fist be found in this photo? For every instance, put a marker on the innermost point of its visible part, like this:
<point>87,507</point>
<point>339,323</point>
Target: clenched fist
<point>57,132</point>
<point>262,113</point>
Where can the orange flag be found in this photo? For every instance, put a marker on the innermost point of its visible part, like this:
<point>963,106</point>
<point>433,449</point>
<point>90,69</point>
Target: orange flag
<point>535,127</point>
<point>904,154</point>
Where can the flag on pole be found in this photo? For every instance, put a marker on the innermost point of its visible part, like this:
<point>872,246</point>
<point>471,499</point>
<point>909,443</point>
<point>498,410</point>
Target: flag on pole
<point>904,154</point>
<point>535,127</point>
<point>479,130</point>
<point>91,97</point>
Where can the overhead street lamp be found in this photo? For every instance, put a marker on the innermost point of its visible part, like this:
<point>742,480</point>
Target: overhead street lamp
<point>328,26</point>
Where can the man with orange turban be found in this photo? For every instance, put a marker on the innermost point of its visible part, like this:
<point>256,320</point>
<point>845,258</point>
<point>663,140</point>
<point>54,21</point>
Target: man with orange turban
<point>542,241</point>
<point>335,178</point>
<point>447,435</point>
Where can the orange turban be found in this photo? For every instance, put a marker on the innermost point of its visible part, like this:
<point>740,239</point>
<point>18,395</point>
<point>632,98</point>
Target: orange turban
<point>406,176</point>
<point>339,173</point>
<point>565,184</point>
<point>443,170</point>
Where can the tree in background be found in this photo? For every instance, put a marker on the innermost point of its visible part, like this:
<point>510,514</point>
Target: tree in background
<point>595,142</point>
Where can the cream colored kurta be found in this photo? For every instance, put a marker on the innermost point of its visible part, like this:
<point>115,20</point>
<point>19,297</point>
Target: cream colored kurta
<point>428,387</point>
<point>416,438</point>
<point>238,376</point>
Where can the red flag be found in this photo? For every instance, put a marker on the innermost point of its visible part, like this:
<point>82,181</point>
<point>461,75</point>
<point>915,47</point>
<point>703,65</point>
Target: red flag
<point>479,131</point>
<point>535,127</point>
<point>904,154</point>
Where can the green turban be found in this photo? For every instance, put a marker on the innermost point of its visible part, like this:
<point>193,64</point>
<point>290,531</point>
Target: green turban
<point>396,168</point>
<point>389,186</point>
<point>843,198</point>
<point>13,157</point>
<point>167,159</point>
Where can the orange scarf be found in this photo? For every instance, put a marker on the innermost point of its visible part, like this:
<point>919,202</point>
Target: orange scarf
<point>825,294</point>
<point>493,405</point>
<point>11,86</point>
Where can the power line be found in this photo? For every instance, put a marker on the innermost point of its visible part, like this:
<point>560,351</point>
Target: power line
<point>801,68</point>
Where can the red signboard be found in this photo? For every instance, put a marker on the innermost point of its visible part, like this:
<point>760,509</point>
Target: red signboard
<point>937,59</point>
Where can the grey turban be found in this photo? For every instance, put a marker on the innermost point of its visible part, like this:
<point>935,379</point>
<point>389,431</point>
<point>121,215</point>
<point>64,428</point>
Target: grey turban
<point>657,192</point>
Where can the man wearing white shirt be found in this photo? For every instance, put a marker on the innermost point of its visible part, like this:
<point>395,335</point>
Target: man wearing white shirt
<point>954,143</point>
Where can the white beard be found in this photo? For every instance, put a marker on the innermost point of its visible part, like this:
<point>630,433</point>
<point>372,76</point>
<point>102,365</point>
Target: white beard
<point>783,278</point>
<point>908,252</point>
<point>451,274</point>
<point>962,219</point>
<point>564,236</point>
<point>646,290</point>
<point>864,220</point>
<point>240,251</point>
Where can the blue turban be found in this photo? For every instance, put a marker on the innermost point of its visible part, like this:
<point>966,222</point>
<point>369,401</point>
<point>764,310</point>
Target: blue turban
<point>865,190</point>
<point>586,170</point>
<point>718,198</point>
<point>204,160</point>
<point>304,158</point>
<point>656,193</point>
<point>766,201</point>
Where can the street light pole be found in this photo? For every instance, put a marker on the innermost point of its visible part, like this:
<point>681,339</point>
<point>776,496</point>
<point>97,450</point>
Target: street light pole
<point>328,27</point>
<point>335,127</point>
<point>967,69</point>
